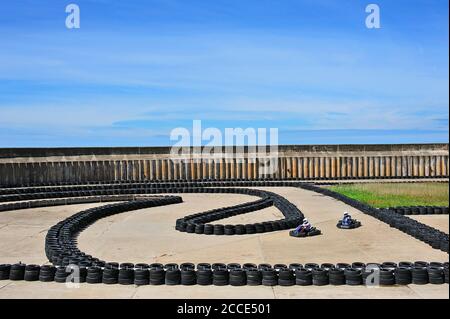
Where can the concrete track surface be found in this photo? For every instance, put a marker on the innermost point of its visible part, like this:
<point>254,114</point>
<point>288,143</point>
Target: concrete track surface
<point>148,236</point>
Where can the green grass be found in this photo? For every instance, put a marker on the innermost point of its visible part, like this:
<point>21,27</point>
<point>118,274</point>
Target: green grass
<point>383,195</point>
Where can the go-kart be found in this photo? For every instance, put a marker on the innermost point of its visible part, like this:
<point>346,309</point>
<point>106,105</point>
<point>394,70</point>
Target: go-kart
<point>353,224</point>
<point>313,231</point>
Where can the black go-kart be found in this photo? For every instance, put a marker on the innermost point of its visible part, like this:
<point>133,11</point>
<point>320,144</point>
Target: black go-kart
<point>353,224</point>
<point>313,231</point>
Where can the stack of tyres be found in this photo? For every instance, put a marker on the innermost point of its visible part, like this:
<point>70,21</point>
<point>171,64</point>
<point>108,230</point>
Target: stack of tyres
<point>4,271</point>
<point>209,229</point>
<point>303,277</point>
<point>403,276</point>
<point>32,273</point>
<point>254,276</point>
<point>353,277</point>
<point>238,277</point>
<point>419,275</point>
<point>110,274</point>
<point>387,277</point>
<point>286,277</point>
<point>269,276</point>
<point>320,277</point>
<point>220,276</point>
<point>94,275</point>
<point>219,229</point>
<point>17,272</point>
<point>204,276</point>
<point>61,274</point>
<point>173,276</point>
<point>141,275</point>
<point>188,276</point>
<point>229,230</point>
<point>47,273</point>
<point>157,275</point>
<point>337,276</point>
<point>436,275</point>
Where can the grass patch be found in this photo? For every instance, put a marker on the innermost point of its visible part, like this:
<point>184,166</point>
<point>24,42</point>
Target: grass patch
<point>384,195</point>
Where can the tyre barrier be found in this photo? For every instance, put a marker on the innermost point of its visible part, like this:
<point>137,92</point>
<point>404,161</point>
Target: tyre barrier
<point>66,201</point>
<point>266,181</point>
<point>200,223</point>
<point>420,210</point>
<point>196,223</point>
<point>232,274</point>
<point>61,244</point>
<point>427,234</point>
<point>432,236</point>
<point>61,240</point>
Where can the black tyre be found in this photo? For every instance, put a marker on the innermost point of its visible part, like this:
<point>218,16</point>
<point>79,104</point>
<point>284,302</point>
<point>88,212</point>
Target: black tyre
<point>387,277</point>
<point>94,275</point>
<point>403,276</point>
<point>419,275</point>
<point>204,276</point>
<point>286,277</point>
<point>110,275</point>
<point>61,274</point>
<point>219,230</point>
<point>188,276</point>
<point>336,277</point>
<point>126,274</point>
<point>254,277</point>
<point>238,277</point>
<point>320,277</point>
<point>47,273</point>
<point>436,275</point>
<point>229,230</point>
<point>142,276</point>
<point>303,277</point>
<point>17,272</point>
<point>4,271</point>
<point>157,276</point>
<point>173,276</point>
<point>32,273</point>
<point>353,277</point>
<point>221,277</point>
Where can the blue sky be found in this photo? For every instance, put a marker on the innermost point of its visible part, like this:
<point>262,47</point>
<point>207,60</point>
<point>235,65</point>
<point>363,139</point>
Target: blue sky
<point>137,69</point>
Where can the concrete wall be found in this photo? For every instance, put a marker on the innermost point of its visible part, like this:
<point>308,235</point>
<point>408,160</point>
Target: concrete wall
<point>30,166</point>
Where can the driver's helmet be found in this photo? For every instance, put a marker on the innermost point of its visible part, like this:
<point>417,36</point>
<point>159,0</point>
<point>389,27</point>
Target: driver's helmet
<point>345,214</point>
<point>305,221</point>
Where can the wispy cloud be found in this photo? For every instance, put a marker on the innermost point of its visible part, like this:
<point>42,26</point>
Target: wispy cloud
<point>141,68</point>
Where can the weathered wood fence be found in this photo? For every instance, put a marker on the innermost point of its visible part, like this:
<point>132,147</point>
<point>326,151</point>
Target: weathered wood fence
<point>35,166</point>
